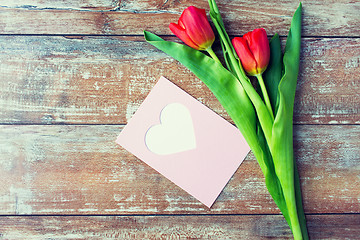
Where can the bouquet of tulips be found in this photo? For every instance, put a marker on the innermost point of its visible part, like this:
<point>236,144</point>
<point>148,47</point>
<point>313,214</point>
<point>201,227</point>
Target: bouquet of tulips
<point>264,117</point>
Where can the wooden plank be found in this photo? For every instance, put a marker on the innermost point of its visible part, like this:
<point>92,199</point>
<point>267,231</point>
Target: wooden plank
<point>80,170</point>
<point>103,80</point>
<point>320,18</point>
<point>175,227</point>
<point>39,5</point>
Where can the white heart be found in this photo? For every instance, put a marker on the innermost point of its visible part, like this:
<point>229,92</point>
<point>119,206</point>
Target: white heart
<point>174,134</point>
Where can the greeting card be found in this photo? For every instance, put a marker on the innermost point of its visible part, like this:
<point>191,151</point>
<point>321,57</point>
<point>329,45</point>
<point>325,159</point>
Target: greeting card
<point>185,141</point>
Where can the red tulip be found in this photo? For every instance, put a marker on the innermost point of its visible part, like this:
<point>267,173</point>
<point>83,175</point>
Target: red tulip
<point>253,50</point>
<point>194,29</point>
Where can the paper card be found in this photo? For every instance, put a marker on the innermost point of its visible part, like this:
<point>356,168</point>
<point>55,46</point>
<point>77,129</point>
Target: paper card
<point>185,141</point>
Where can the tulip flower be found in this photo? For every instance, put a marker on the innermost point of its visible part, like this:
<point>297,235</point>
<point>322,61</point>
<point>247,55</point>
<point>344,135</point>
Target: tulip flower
<point>254,52</point>
<point>194,29</point>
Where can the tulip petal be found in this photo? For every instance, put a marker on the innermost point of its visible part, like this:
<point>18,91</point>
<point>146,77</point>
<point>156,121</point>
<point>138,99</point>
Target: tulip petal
<point>246,57</point>
<point>181,24</point>
<point>180,33</point>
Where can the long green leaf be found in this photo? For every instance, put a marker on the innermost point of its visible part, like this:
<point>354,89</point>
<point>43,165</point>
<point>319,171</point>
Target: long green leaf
<point>273,73</point>
<point>281,144</point>
<point>299,204</point>
<point>271,180</point>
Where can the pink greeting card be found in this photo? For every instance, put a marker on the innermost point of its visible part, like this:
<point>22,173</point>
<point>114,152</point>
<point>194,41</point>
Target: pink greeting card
<point>185,141</point>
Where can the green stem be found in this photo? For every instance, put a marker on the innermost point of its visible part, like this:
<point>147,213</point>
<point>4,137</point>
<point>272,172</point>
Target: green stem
<point>265,94</point>
<point>212,54</point>
<point>265,119</point>
<point>233,60</point>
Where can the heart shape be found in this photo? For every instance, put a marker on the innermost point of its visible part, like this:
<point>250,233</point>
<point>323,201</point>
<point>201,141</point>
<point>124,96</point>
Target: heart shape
<point>174,134</point>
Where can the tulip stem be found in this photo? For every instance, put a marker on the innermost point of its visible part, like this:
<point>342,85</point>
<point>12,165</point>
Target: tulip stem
<point>213,55</point>
<point>265,94</point>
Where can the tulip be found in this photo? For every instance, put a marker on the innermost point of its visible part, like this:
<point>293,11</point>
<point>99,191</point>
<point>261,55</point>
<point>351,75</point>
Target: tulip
<point>253,50</point>
<point>194,29</point>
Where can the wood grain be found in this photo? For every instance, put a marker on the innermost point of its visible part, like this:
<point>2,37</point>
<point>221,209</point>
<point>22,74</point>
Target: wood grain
<point>41,5</point>
<point>175,227</point>
<point>80,170</point>
<point>321,18</point>
<point>83,68</point>
<point>103,80</point>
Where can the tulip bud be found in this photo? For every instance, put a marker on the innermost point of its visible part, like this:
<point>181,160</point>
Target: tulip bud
<point>253,50</point>
<point>194,29</point>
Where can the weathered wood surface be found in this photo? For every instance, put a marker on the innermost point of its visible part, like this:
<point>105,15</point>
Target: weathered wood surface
<point>103,80</point>
<point>85,62</point>
<point>80,170</point>
<point>175,227</point>
<point>321,18</point>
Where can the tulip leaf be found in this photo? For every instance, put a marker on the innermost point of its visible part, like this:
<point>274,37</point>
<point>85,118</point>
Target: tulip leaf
<point>299,204</point>
<point>273,73</point>
<point>271,180</point>
<point>281,144</point>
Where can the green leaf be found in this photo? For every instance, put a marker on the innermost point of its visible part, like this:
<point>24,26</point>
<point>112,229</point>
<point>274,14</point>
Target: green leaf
<point>281,145</point>
<point>299,204</point>
<point>271,180</point>
<point>273,73</point>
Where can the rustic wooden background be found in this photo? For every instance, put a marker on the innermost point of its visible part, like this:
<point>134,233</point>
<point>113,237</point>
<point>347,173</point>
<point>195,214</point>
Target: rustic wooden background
<point>73,72</point>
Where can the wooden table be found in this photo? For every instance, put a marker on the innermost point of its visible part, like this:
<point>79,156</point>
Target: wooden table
<point>72,73</point>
